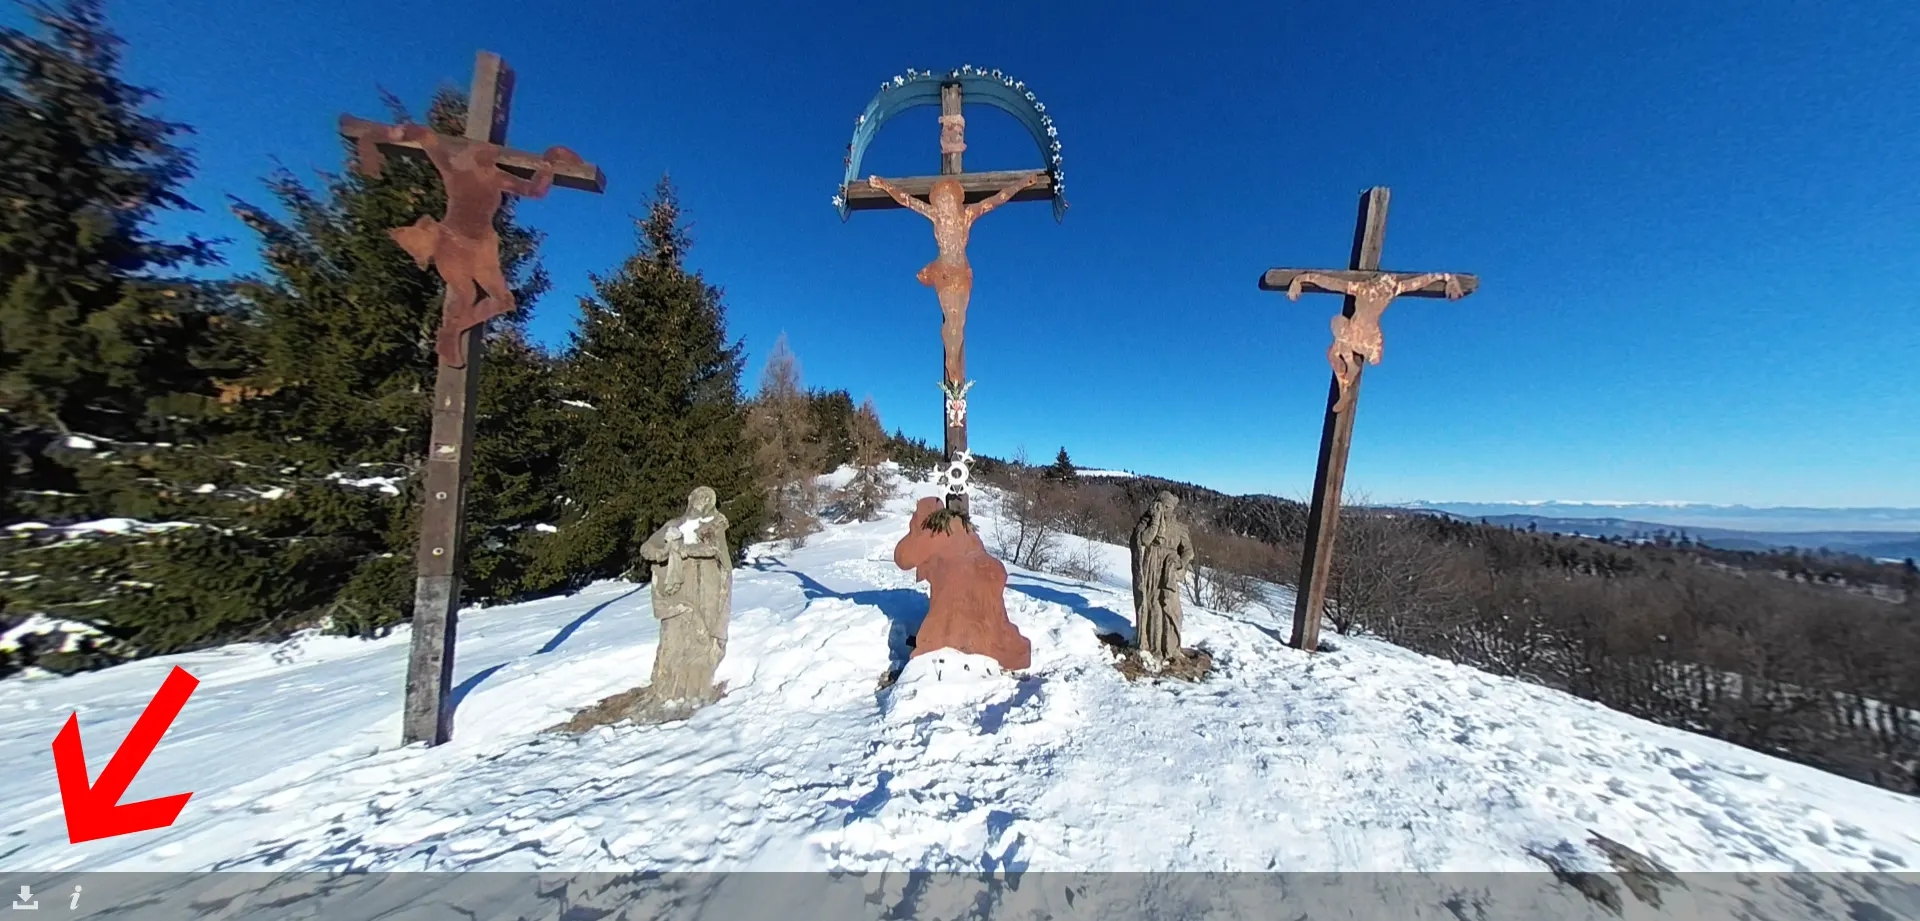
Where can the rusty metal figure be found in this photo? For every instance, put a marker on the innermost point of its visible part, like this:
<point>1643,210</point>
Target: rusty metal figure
<point>949,274</point>
<point>463,246</point>
<point>1360,335</point>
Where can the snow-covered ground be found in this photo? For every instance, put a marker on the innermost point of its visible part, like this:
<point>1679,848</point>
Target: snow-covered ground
<point>1365,758</point>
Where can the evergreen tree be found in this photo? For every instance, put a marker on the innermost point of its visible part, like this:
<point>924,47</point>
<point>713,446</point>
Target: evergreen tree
<point>96,339</point>
<point>865,495</point>
<point>787,447</point>
<point>1062,470</point>
<point>916,458</point>
<point>833,423</point>
<point>299,498</point>
<point>653,388</point>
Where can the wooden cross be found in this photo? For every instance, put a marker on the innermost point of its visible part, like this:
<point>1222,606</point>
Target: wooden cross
<point>990,188</point>
<point>1357,341</point>
<point>463,246</point>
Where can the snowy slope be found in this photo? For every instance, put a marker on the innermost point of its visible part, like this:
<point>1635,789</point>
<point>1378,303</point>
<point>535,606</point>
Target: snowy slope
<point>1367,758</point>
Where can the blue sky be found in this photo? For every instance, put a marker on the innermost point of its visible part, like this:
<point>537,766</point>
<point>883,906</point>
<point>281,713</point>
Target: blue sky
<point>1698,233</point>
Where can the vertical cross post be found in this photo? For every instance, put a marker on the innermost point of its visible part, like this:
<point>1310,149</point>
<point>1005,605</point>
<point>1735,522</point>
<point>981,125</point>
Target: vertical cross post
<point>1336,437</point>
<point>1357,340</point>
<point>436,596</point>
<point>477,170</point>
<point>956,430</point>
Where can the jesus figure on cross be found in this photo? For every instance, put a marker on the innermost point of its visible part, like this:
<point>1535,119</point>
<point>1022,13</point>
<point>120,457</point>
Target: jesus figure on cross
<point>463,245</point>
<point>1360,335</point>
<point>949,275</point>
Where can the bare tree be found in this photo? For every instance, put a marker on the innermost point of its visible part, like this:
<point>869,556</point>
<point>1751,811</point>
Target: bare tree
<point>1027,529</point>
<point>786,453</point>
<point>1385,571</point>
<point>1222,577</point>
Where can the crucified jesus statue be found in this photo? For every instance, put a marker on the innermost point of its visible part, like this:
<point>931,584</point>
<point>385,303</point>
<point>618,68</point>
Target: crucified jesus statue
<point>462,246</point>
<point>949,275</point>
<point>1360,334</point>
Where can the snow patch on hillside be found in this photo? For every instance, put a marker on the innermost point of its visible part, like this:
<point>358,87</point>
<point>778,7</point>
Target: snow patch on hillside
<point>1361,759</point>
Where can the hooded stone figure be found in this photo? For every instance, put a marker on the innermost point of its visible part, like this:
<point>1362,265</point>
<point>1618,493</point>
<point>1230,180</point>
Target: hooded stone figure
<point>1162,552</point>
<point>692,594</point>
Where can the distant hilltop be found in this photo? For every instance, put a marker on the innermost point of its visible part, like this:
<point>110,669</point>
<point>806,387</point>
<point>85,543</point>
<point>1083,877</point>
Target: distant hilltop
<point>1881,533</point>
<point>1694,514</point>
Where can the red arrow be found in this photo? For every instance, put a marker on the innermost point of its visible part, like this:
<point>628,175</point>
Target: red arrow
<point>92,811</point>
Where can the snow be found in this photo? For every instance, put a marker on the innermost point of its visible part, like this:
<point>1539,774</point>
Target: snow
<point>1364,758</point>
<point>79,444</point>
<point>42,625</point>
<point>386,484</point>
<point>546,528</point>
<point>582,404</point>
<point>1106,473</point>
<point>105,526</point>
<point>690,530</point>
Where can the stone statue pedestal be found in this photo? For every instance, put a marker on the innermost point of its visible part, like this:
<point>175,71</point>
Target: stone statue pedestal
<point>967,607</point>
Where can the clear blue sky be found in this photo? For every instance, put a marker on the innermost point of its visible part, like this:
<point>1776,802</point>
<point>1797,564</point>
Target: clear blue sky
<point>1698,230</point>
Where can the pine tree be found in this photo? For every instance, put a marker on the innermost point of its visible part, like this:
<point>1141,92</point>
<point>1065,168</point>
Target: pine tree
<point>786,445</point>
<point>1062,470</point>
<point>865,496</point>
<point>652,386</point>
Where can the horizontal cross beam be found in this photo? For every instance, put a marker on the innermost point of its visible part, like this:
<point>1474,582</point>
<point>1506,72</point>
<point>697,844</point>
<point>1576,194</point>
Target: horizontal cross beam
<point>582,176</point>
<point>1280,279</point>
<point>978,186</point>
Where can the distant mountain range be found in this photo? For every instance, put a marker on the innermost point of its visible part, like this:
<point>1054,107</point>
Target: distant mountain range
<point>1886,533</point>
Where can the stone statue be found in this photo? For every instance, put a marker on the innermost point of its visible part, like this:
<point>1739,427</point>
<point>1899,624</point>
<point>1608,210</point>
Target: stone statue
<point>967,609</point>
<point>1360,334</point>
<point>1162,552</point>
<point>692,594</point>
<point>949,274</point>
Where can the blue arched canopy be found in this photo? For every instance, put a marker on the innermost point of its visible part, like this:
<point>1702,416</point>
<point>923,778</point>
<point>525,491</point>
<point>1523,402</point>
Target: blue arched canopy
<point>922,88</point>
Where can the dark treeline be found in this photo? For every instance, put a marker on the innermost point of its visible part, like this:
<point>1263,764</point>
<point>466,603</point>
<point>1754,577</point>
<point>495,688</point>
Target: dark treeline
<point>1779,652</point>
<point>187,461</point>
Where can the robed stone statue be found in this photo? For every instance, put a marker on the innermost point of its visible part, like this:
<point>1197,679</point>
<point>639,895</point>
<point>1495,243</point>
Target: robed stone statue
<point>1162,552</point>
<point>692,594</point>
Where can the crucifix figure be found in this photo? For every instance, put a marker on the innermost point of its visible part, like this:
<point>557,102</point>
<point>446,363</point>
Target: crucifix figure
<point>1357,342</point>
<point>463,246</point>
<point>477,170</point>
<point>949,275</point>
<point>952,201</point>
<point>1359,335</point>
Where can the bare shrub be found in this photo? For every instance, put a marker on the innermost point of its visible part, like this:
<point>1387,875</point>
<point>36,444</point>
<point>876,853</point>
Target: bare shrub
<point>1027,530</point>
<point>786,453</point>
<point>1386,572</point>
<point>1083,564</point>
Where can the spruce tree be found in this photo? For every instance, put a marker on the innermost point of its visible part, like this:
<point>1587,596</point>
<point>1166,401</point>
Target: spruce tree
<point>652,386</point>
<point>832,413</point>
<point>1062,469</point>
<point>108,360</point>
<point>97,341</point>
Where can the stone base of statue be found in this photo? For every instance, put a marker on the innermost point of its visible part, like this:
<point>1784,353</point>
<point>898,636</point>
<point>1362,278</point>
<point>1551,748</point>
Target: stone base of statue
<point>966,587</point>
<point>641,706</point>
<point>1136,665</point>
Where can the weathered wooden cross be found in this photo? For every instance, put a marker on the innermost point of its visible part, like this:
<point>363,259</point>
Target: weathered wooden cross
<point>950,276</point>
<point>477,169</point>
<point>1357,341</point>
